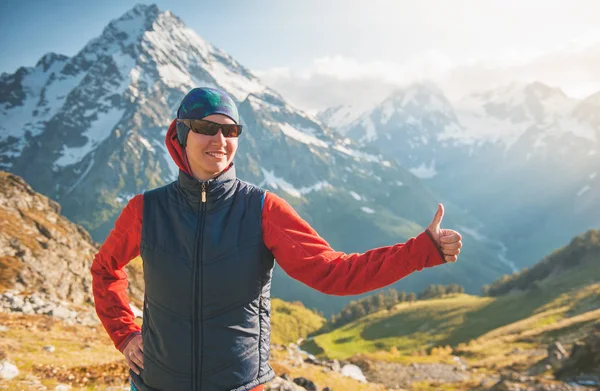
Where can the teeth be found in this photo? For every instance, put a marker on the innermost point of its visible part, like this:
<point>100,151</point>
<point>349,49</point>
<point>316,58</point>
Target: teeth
<point>216,154</point>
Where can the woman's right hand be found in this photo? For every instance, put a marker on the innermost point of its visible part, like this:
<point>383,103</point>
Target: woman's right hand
<point>134,354</point>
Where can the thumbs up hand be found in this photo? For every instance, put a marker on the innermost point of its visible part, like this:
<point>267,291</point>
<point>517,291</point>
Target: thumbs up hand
<point>448,240</point>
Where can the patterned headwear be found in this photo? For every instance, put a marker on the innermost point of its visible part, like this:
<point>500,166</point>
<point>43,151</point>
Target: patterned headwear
<point>202,102</point>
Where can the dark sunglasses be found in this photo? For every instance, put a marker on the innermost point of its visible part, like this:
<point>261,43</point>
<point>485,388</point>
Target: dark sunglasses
<point>209,128</point>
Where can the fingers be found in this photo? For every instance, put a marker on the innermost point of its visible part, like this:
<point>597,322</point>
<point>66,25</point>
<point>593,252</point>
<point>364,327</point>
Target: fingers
<point>450,258</point>
<point>132,365</point>
<point>137,357</point>
<point>134,354</point>
<point>451,251</point>
<point>450,243</point>
<point>450,236</point>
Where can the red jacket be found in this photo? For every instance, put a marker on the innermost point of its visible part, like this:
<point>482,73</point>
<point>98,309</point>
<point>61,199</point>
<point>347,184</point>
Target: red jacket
<point>297,247</point>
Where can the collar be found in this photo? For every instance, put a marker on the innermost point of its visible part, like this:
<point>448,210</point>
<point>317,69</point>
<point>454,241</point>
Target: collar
<point>217,189</point>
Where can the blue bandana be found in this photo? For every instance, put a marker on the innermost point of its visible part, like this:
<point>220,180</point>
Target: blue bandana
<point>202,102</point>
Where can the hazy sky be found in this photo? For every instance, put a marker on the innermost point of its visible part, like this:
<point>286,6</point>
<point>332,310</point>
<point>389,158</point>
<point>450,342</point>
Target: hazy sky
<point>299,46</point>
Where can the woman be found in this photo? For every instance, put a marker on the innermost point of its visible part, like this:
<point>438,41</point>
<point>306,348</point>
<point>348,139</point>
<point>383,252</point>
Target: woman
<point>208,243</point>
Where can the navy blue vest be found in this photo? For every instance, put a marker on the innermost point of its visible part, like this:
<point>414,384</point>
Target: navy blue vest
<point>208,278</point>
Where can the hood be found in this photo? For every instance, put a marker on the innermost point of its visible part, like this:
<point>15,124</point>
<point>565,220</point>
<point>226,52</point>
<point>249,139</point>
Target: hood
<point>175,150</point>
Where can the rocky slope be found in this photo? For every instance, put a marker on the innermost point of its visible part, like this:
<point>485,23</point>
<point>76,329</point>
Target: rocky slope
<point>45,259</point>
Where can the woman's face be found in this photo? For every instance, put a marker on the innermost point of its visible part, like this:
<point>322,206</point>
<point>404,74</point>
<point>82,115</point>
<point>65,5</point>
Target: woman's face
<point>210,155</point>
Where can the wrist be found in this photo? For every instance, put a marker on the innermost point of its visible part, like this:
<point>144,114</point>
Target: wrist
<point>127,340</point>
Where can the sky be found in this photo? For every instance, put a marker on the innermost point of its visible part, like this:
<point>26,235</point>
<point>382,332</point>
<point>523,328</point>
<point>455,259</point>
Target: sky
<point>320,53</point>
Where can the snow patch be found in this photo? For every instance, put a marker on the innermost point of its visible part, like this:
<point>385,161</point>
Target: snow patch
<point>234,81</point>
<point>367,210</point>
<point>357,154</point>
<point>124,197</point>
<point>371,133</point>
<point>172,76</point>
<point>301,136</point>
<point>583,190</point>
<point>279,183</point>
<point>423,171</point>
<point>97,132</point>
<point>146,144</point>
<point>356,196</point>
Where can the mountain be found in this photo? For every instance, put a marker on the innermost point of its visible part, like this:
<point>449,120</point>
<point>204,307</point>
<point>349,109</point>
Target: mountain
<point>525,156</point>
<point>88,131</point>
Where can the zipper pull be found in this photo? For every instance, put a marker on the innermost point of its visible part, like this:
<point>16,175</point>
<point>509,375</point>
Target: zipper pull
<point>203,192</point>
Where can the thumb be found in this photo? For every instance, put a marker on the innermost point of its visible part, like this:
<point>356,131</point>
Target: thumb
<point>437,219</point>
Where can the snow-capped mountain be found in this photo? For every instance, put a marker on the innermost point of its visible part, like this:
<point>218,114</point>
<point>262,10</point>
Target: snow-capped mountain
<point>521,155</point>
<point>89,132</point>
<point>406,126</point>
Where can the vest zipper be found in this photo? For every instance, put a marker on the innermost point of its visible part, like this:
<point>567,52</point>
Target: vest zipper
<point>199,274</point>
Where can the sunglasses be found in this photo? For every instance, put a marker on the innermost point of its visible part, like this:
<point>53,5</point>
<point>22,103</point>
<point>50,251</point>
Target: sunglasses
<point>209,128</point>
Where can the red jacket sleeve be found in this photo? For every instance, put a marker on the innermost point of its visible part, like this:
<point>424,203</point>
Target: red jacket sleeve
<point>307,257</point>
<point>109,280</point>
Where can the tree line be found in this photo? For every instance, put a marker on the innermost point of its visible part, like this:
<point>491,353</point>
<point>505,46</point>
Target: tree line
<point>356,309</point>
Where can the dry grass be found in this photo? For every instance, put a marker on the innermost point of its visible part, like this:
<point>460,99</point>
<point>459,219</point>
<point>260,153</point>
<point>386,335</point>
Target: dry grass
<point>9,269</point>
<point>80,353</point>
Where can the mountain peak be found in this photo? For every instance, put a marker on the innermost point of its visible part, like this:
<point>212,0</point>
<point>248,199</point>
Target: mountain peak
<point>50,59</point>
<point>544,91</point>
<point>521,102</point>
<point>420,97</point>
<point>145,9</point>
<point>132,24</point>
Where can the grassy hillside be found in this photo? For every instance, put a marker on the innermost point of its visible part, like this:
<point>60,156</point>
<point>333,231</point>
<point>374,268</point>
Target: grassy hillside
<point>292,321</point>
<point>568,297</point>
<point>580,252</point>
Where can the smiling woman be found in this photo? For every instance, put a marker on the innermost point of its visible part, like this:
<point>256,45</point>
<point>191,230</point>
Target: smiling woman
<point>208,242</point>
